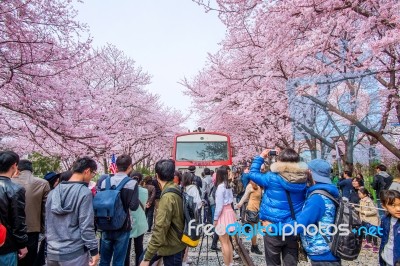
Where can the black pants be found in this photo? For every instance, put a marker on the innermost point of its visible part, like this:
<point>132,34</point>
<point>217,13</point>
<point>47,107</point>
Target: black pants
<point>371,239</point>
<point>41,255</point>
<point>32,246</point>
<point>172,260</point>
<point>150,217</point>
<point>215,240</point>
<point>138,243</point>
<point>274,246</point>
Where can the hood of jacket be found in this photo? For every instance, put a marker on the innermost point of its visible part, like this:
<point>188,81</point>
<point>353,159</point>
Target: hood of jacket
<point>64,197</point>
<point>291,172</point>
<point>383,174</point>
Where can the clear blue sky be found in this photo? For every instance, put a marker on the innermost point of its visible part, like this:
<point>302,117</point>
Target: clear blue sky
<point>169,39</point>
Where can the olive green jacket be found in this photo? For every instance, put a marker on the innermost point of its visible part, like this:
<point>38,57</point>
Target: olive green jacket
<point>165,240</point>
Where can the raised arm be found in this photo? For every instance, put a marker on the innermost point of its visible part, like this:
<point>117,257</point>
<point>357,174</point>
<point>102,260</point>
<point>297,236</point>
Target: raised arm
<point>246,195</point>
<point>255,172</point>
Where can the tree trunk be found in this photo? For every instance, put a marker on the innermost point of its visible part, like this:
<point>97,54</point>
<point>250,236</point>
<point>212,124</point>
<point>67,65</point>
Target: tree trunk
<point>105,165</point>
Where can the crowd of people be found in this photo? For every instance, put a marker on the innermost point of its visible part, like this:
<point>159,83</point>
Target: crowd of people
<point>55,220</point>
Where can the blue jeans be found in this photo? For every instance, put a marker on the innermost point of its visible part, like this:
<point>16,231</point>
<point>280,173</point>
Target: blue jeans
<point>9,259</point>
<point>212,207</point>
<point>172,260</point>
<point>379,205</point>
<point>114,245</point>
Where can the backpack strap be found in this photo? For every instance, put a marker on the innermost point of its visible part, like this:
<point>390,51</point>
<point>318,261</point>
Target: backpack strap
<point>335,201</point>
<point>179,193</point>
<point>326,194</point>
<point>123,183</point>
<point>141,205</point>
<point>290,205</point>
<point>108,183</point>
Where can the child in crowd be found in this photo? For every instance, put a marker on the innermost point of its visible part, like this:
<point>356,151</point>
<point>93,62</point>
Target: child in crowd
<point>389,253</point>
<point>368,214</point>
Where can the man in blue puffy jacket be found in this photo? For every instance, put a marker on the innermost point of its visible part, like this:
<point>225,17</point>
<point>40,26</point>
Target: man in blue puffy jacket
<point>318,210</point>
<point>287,174</point>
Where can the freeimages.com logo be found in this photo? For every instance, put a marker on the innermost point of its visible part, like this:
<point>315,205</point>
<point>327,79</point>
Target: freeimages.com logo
<point>280,229</point>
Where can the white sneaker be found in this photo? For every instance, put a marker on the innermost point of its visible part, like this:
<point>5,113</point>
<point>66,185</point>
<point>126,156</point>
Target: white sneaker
<point>188,261</point>
<point>235,255</point>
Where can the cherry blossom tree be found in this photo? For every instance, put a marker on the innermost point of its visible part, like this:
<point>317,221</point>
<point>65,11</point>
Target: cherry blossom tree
<point>321,46</point>
<point>62,98</point>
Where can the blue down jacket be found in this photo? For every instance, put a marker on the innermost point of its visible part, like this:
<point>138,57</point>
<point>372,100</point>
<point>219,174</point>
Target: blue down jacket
<point>283,176</point>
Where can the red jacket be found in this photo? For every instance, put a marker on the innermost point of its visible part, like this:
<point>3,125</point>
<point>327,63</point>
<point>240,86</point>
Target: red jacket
<point>3,233</point>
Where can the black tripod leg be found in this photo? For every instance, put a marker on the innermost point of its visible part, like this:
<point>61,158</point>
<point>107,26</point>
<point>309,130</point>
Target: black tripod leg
<point>198,256</point>
<point>207,251</point>
<point>216,252</point>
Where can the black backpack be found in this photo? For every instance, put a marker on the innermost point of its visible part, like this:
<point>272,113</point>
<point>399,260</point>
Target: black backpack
<point>347,246</point>
<point>190,238</point>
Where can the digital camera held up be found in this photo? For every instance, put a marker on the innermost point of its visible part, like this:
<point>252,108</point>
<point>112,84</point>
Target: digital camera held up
<point>272,153</point>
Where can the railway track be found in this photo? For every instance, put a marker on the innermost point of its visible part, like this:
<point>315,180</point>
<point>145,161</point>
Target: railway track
<point>203,256</point>
<point>243,252</point>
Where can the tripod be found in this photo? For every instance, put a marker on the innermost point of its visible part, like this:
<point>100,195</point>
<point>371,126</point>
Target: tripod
<point>206,220</point>
<point>201,245</point>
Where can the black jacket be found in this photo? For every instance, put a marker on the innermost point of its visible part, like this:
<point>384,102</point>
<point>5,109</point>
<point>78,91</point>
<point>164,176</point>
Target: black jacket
<point>158,189</point>
<point>382,181</point>
<point>12,215</point>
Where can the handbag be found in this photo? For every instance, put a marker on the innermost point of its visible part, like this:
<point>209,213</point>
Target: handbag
<point>251,216</point>
<point>302,255</point>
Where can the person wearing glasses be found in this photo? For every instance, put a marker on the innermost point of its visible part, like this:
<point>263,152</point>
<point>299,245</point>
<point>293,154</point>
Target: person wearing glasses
<point>70,234</point>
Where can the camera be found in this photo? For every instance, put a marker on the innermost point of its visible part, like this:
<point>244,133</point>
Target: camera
<point>272,153</point>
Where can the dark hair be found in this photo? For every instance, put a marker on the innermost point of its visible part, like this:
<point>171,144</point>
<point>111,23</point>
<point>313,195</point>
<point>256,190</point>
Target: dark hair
<point>192,168</point>
<point>222,177</point>
<point>225,167</point>
<point>359,180</point>
<point>187,179</point>
<point>289,155</point>
<point>381,167</point>
<point>65,176</point>
<point>212,172</point>
<point>148,180</point>
<point>361,176</point>
<point>388,197</point>
<point>179,175</point>
<point>81,164</point>
<point>165,169</point>
<point>7,159</point>
<point>348,173</point>
<point>207,171</point>
<point>123,162</point>
<point>137,176</point>
<point>25,165</point>
<point>364,191</point>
